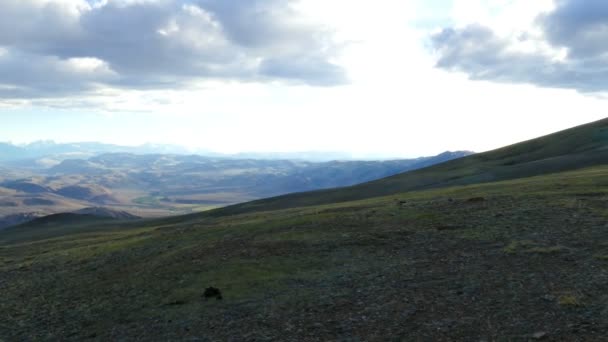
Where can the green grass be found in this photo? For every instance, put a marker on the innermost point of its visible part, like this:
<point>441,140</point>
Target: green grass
<point>572,149</point>
<point>301,268</point>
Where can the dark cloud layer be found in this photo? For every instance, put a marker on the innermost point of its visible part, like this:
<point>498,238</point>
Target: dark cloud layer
<point>579,27</point>
<point>65,47</point>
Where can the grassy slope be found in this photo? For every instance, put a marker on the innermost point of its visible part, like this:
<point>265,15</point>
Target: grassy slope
<point>571,149</point>
<point>57,225</point>
<point>427,265</point>
<point>529,258</point>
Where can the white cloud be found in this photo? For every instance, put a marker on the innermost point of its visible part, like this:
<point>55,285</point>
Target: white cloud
<point>396,104</point>
<point>163,44</point>
<point>551,45</point>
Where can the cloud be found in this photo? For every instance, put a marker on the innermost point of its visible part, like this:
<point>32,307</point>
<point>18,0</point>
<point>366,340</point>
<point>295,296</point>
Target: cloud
<point>67,47</point>
<point>26,75</point>
<point>580,26</point>
<point>564,49</point>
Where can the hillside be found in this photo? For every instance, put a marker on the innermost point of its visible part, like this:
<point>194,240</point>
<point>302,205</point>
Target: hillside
<point>35,218</point>
<point>38,226</point>
<point>571,149</point>
<point>515,260</point>
<point>106,212</point>
<point>520,259</point>
<point>16,219</point>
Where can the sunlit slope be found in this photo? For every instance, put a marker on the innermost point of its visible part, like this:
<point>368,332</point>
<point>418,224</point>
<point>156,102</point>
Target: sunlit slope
<point>571,149</point>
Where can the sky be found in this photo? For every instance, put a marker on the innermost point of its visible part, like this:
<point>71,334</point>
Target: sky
<point>384,78</point>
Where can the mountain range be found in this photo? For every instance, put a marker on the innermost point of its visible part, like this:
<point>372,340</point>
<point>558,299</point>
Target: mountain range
<point>46,153</point>
<point>169,184</point>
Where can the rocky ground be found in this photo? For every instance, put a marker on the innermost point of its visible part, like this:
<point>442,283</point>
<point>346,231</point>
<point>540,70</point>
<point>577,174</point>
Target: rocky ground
<point>521,260</point>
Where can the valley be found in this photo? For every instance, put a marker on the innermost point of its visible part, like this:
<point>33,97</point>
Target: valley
<point>155,185</point>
